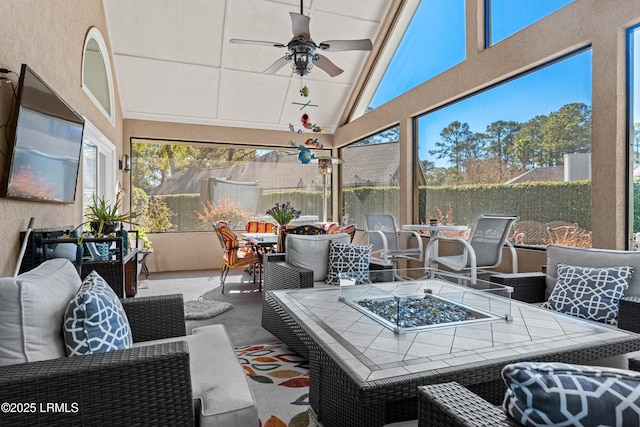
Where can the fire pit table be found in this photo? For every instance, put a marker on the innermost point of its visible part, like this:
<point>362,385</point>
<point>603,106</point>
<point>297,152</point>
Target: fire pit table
<point>365,367</point>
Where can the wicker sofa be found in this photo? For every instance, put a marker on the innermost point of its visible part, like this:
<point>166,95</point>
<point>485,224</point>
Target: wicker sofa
<point>166,378</point>
<point>536,287</point>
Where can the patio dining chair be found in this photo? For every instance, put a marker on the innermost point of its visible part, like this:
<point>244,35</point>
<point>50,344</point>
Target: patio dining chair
<point>482,251</point>
<point>259,227</point>
<point>235,252</point>
<point>388,244</point>
<point>307,230</point>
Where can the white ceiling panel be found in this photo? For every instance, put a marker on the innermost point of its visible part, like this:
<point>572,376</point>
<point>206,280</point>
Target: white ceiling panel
<point>173,30</point>
<point>167,88</point>
<point>173,60</point>
<point>251,97</point>
<point>329,97</point>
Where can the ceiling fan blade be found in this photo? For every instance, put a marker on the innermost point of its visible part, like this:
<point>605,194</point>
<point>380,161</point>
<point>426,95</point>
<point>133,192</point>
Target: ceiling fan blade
<point>327,66</point>
<point>276,65</point>
<point>300,25</point>
<point>257,42</point>
<point>341,45</point>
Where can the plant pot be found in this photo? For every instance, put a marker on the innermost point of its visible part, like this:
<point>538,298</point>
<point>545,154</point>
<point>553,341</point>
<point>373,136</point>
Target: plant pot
<point>107,228</point>
<point>103,251</point>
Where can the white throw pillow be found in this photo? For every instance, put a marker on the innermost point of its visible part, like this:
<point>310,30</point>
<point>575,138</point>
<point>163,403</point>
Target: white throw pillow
<point>32,307</point>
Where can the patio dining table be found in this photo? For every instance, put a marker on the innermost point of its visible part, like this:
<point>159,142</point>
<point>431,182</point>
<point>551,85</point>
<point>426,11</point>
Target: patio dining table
<point>433,234</point>
<point>262,243</point>
<point>364,374</point>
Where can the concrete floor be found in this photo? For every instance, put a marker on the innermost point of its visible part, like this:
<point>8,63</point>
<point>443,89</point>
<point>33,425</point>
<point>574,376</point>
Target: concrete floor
<point>243,321</point>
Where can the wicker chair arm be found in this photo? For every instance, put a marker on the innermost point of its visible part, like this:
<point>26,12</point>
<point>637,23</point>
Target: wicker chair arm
<point>148,385</point>
<point>629,314</point>
<point>450,404</point>
<point>527,287</point>
<point>279,274</point>
<point>155,317</point>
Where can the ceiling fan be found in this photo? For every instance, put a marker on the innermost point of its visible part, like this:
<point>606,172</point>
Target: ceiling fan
<point>302,50</point>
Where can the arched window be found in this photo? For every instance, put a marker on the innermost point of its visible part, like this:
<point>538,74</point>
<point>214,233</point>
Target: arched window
<point>97,81</point>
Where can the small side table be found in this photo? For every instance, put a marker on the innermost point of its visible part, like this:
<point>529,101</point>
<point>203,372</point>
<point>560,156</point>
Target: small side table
<point>144,252</point>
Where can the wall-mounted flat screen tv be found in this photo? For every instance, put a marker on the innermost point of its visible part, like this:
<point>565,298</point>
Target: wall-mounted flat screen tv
<point>47,144</point>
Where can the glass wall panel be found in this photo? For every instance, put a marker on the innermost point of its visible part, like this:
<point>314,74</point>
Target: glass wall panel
<point>370,177</point>
<point>634,132</point>
<point>433,42</point>
<point>179,187</point>
<point>522,147</point>
<point>507,17</point>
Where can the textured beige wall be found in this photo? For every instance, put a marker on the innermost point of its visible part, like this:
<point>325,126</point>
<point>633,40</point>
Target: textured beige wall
<point>49,37</point>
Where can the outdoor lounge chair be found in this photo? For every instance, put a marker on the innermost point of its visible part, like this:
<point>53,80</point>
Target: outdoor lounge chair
<point>386,240</point>
<point>482,251</point>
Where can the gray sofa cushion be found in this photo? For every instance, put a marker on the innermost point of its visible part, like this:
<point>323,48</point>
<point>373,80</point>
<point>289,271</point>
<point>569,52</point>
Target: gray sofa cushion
<point>32,307</point>
<point>559,394</point>
<point>588,257</point>
<point>220,386</point>
<point>312,252</point>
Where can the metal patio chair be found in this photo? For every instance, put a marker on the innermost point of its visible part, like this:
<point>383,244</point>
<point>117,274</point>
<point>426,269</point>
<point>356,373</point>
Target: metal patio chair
<point>482,251</point>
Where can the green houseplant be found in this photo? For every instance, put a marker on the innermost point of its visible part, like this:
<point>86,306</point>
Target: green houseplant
<point>103,217</point>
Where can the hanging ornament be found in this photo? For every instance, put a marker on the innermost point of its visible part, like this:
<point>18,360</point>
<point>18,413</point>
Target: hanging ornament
<point>305,155</point>
<point>314,143</point>
<point>304,91</point>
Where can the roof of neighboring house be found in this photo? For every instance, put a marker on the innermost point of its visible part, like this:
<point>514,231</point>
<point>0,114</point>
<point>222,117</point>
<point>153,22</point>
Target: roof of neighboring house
<point>542,174</point>
<point>377,164</point>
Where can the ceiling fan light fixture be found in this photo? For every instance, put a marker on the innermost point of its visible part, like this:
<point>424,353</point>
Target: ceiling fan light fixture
<point>302,57</point>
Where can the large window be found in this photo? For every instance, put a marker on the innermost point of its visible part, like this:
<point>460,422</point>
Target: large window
<point>183,187</point>
<point>522,147</point>
<point>98,166</point>
<point>634,132</point>
<point>507,17</point>
<point>433,42</point>
<point>370,177</point>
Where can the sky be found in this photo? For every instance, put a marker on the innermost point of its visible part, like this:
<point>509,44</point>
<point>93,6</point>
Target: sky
<point>437,33</point>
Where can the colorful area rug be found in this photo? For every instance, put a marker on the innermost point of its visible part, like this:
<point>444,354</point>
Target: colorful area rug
<point>279,379</point>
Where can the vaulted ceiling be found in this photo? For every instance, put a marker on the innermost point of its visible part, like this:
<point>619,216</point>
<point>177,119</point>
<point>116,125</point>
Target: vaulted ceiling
<point>173,61</point>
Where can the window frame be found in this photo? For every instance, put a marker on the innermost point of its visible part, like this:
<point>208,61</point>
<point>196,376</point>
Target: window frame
<point>105,170</point>
<point>94,34</point>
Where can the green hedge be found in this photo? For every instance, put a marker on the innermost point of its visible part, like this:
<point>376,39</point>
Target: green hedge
<point>566,201</point>
<point>540,201</point>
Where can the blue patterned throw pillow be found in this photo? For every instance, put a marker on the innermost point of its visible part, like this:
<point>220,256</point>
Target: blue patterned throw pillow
<point>589,293</point>
<point>558,394</point>
<point>95,321</point>
<point>348,258</point>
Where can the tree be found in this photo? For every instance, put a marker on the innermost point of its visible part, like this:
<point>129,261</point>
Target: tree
<point>566,131</point>
<point>527,142</point>
<point>499,141</point>
<point>456,145</point>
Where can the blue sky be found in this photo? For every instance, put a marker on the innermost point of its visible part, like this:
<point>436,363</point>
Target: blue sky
<point>437,34</point>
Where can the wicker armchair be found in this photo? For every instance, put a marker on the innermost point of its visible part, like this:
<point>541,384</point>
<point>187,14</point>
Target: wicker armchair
<point>146,385</point>
<point>451,404</point>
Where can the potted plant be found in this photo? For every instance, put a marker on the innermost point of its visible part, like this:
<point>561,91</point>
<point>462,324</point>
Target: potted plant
<point>283,213</point>
<point>103,217</point>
